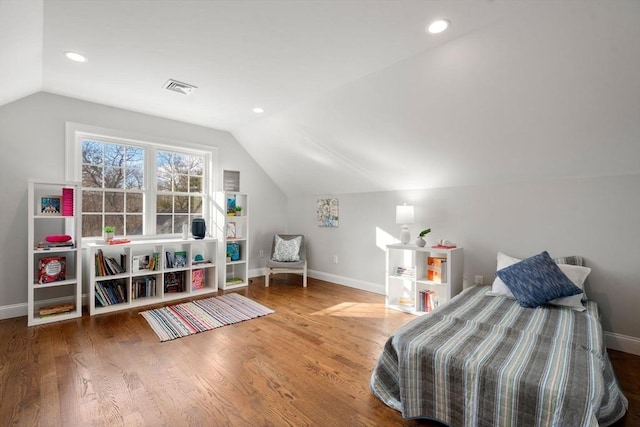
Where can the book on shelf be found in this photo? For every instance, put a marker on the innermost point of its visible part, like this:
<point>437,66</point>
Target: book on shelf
<point>143,287</point>
<point>233,250</point>
<point>234,281</point>
<point>174,282</point>
<point>56,309</point>
<point>108,266</point>
<point>52,269</point>
<point>43,246</point>
<point>197,279</point>
<point>180,259</point>
<point>406,271</point>
<point>437,269</point>
<point>109,292</point>
<point>429,300</point>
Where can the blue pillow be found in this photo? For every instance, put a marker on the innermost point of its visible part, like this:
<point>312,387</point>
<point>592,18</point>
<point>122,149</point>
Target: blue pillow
<point>536,280</point>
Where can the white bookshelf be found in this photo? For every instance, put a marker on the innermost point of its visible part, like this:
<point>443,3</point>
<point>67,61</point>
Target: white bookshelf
<point>233,231</point>
<point>140,283</point>
<point>407,277</point>
<point>65,288</point>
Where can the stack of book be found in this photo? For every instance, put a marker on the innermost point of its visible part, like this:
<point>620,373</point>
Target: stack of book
<point>110,292</point>
<point>428,300</point>
<point>406,271</point>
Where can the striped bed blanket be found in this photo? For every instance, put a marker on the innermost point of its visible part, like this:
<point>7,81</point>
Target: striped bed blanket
<point>485,361</point>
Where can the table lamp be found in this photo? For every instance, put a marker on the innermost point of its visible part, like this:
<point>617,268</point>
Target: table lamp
<point>404,217</point>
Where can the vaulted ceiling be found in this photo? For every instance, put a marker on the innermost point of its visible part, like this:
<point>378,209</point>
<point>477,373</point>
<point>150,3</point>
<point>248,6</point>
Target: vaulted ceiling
<point>357,96</point>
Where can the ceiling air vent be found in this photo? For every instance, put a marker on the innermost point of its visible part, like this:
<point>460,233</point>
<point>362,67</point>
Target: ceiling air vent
<point>176,86</point>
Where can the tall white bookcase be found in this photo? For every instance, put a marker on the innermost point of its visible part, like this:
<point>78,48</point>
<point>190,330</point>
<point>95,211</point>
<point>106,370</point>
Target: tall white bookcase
<point>54,272</point>
<point>232,227</point>
<point>407,277</point>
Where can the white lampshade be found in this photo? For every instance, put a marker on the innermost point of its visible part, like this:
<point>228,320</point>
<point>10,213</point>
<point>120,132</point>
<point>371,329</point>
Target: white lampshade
<point>404,214</point>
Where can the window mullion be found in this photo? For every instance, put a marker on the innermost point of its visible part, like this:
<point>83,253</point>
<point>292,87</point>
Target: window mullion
<point>150,191</point>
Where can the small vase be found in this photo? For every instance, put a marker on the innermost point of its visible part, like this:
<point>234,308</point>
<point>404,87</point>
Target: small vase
<point>420,242</point>
<point>108,237</point>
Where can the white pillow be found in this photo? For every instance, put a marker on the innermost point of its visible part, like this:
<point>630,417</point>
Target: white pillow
<point>577,274</point>
<point>287,250</point>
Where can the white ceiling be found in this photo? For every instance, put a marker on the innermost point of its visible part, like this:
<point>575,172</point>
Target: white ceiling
<point>358,97</point>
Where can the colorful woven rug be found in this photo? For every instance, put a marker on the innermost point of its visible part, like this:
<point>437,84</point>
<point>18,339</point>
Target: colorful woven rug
<point>189,318</point>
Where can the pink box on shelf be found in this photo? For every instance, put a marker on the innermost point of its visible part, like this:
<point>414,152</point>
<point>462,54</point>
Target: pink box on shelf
<point>67,202</point>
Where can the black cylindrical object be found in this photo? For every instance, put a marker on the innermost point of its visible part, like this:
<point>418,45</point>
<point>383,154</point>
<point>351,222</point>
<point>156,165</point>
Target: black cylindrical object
<point>198,228</point>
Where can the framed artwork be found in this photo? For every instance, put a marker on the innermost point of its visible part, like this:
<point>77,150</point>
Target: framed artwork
<point>327,212</point>
<point>231,180</point>
<point>50,205</point>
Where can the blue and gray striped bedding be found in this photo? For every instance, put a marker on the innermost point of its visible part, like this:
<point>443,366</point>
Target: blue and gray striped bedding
<point>485,361</point>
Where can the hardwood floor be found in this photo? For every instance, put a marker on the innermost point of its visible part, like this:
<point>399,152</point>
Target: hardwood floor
<point>307,364</point>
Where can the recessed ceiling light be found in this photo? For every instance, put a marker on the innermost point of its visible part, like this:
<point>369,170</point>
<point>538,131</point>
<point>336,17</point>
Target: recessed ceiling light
<point>75,56</point>
<point>438,26</point>
<point>258,110</point>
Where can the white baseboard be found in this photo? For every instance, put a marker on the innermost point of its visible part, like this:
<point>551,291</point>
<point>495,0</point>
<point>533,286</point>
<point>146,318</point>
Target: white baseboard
<point>623,343</point>
<point>346,281</point>
<point>13,310</point>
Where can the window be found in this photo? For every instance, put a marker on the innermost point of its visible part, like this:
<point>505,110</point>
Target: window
<point>139,187</point>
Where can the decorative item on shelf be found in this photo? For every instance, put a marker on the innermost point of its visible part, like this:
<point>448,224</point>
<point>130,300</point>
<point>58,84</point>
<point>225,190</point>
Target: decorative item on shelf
<point>445,244</point>
<point>238,210</point>
<point>67,202</point>
<point>420,242</point>
<point>52,269</point>
<point>50,205</point>
<point>198,228</point>
<point>233,251</point>
<point>109,232</point>
<point>404,217</point>
<point>228,256</point>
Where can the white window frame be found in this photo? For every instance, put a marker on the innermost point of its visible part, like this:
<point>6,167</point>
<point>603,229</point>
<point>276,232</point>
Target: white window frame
<point>76,132</point>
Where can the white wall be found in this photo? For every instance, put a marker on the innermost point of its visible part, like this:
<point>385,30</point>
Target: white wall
<point>32,140</point>
<point>597,218</point>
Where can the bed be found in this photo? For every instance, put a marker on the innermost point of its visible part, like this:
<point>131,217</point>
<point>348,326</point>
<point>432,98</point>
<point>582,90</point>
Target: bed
<point>485,360</point>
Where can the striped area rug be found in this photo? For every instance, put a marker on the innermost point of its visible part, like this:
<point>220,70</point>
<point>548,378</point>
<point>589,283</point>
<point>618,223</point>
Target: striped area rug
<point>190,318</point>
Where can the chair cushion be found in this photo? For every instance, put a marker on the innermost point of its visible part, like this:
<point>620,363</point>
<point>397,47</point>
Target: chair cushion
<point>287,250</point>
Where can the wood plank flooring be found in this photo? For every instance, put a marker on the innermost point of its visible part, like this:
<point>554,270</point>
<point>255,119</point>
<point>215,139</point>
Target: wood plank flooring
<point>307,364</point>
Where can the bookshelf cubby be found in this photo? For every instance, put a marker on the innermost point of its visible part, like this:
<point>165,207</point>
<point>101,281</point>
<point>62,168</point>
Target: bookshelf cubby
<point>149,272</point>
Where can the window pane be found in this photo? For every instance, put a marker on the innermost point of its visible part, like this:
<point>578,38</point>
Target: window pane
<point>91,202</point>
<point>91,225</point>
<point>195,184</point>
<point>180,163</point>
<point>134,157</point>
<point>164,204</point>
<point>196,165</point>
<point>113,202</point>
<point>181,204</point>
<point>134,179</point>
<point>181,183</point>
<point>114,155</point>
<point>178,221</point>
<point>165,170</point>
<point>113,177</point>
<point>163,224</point>
<point>92,152</point>
<point>92,176</point>
<point>134,225</point>
<point>134,202</point>
<point>116,221</point>
<point>196,205</point>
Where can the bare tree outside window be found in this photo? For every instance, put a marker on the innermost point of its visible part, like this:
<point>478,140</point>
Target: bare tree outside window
<point>113,184</point>
<point>179,190</point>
